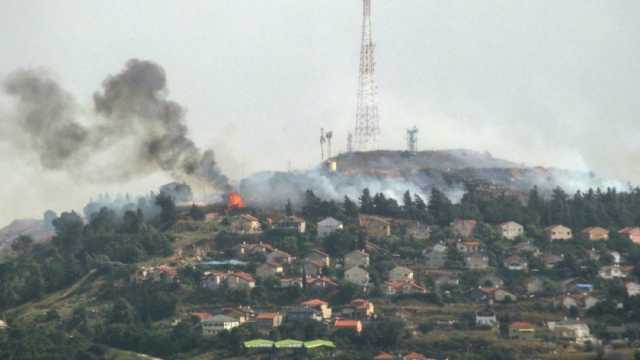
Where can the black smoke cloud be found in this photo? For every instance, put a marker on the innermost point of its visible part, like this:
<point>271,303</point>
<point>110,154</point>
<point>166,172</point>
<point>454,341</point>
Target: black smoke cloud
<point>131,116</point>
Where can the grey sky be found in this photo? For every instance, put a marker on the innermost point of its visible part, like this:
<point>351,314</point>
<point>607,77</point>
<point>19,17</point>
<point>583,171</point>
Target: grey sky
<point>542,82</point>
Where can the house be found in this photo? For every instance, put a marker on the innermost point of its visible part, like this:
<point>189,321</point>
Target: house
<point>578,301</point>
<point>375,226</point>
<point>3,325</point>
<point>240,280</point>
<point>447,279</point>
<point>393,288</point>
<point>213,280</point>
<point>215,324</point>
<point>612,272</point>
<point>279,256</point>
<point>355,325</point>
<point>486,318</point>
<point>502,295</point>
<point>400,273</point>
<point>550,261</point>
<point>320,305</point>
<point>419,231</point>
<point>516,263</point>
<point>464,228</point>
<point>596,233</point>
<point>313,268</point>
<point>415,356</point>
<point>322,282</point>
<point>245,224</point>
<point>291,224</point>
<point>268,270</point>
<point>477,262</point>
<point>526,247</point>
<point>633,233</point>
<point>535,285</point>
<point>162,273</point>
<point>558,232</point>
<point>319,256</point>
<point>303,313</point>
<point>468,247</point>
<point>356,258</point>
<point>291,282</point>
<point>482,294</point>
<point>268,320</point>
<point>383,356</point>
<point>521,330</point>
<point>357,276</point>
<point>328,226</point>
<point>490,281</point>
<point>359,309</point>
<point>510,230</point>
<point>572,330</point>
<point>633,288</point>
<point>241,313</point>
<point>244,249</point>
<point>615,257</point>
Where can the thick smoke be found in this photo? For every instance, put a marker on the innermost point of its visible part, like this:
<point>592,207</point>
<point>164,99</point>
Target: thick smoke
<point>132,118</point>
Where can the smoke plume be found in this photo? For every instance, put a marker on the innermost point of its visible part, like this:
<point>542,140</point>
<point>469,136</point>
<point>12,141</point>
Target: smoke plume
<point>132,122</point>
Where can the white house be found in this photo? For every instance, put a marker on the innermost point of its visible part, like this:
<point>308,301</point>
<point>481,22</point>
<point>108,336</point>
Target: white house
<point>328,225</point>
<point>400,273</point>
<point>218,323</point>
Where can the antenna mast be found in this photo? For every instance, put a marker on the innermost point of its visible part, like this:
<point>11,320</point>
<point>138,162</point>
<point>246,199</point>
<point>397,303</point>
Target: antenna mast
<point>412,140</point>
<point>367,128</point>
<point>328,136</point>
<point>323,139</point>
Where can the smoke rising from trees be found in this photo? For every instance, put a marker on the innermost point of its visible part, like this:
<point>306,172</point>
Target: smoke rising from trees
<point>132,122</point>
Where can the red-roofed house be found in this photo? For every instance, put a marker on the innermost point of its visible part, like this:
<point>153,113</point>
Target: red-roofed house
<point>383,356</point>
<point>521,330</point>
<point>240,280</point>
<point>595,233</point>
<point>355,325</point>
<point>392,288</point>
<point>414,356</point>
<point>319,305</point>
<point>633,233</point>
<point>268,320</point>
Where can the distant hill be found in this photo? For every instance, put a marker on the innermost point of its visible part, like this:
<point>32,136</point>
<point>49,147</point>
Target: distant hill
<point>394,172</point>
<point>31,227</point>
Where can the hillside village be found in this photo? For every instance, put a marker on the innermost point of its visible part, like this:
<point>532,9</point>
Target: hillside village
<point>366,279</point>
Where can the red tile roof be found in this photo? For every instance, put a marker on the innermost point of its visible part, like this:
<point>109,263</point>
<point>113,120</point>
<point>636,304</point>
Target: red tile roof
<point>315,303</point>
<point>521,325</point>
<point>351,324</point>
<point>266,316</point>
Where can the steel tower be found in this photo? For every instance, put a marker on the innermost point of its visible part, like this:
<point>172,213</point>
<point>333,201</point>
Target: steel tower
<point>367,118</point>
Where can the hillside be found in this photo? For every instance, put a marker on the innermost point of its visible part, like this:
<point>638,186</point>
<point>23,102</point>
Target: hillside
<point>31,227</point>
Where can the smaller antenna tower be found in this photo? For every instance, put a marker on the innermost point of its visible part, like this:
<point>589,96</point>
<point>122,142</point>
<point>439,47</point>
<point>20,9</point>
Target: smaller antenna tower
<point>350,142</point>
<point>323,139</point>
<point>328,136</point>
<point>412,140</point>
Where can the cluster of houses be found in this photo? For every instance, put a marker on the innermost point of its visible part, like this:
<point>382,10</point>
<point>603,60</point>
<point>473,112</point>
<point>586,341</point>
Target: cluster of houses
<point>353,316</point>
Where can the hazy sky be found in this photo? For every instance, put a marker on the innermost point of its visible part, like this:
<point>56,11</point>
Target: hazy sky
<point>541,82</point>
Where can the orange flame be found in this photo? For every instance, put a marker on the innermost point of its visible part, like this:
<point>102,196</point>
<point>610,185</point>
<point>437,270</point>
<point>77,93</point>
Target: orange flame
<point>234,201</point>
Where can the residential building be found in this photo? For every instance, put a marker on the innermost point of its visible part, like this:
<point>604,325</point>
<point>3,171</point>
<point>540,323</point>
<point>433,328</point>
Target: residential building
<point>268,320</point>
<point>3,325</point>
<point>328,226</point>
<point>558,232</point>
<point>535,285</point>
<point>375,226</point>
<point>401,273</point>
<point>359,309</point>
<point>468,247</point>
<point>477,262</point>
<point>633,233</point>
<point>355,325</point>
<point>578,301</point>
<point>522,330</point>
<point>526,247</point>
<point>550,261</point>
<point>291,224</point>
<point>269,270</point>
<point>383,356</point>
<point>321,306</point>
<point>502,295</point>
<point>245,224</point>
<point>215,324</point>
<point>357,276</point>
<point>516,263</point>
<point>415,356</point>
<point>356,258</point>
<point>279,256</point>
<point>393,288</point>
<point>486,318</point>
<point>436,257</point>
<point>447,278</point>
<point>633,288</point>
<point>490,281</point>
<point>319,256</point>
<point>303,313</point>
<point>321,282</point>
<point>510,230</point>
<point>213,280</point>
<point>313,268</point>
<point>245,249</point>
<point>464,228</point>
<point>573,330</point>
<point>240,280</point>
<point>596,233</point>
<point>419,231</point>
<point>291,282</point>
<point>612,272</point>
